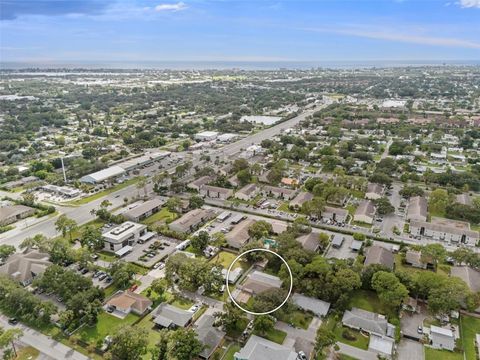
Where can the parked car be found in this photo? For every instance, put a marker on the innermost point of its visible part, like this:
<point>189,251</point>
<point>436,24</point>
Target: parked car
<point>302,356</point>
<point>13,321</point>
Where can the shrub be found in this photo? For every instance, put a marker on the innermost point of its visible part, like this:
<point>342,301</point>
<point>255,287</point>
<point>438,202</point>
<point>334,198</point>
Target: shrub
<point>349,335</point>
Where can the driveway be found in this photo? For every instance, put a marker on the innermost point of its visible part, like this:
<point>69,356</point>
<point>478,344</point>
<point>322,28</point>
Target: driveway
<point>344,252</point>
<point>302,340</point>
<point>410,323</point>
<point>409,350</point>
<point>44,344</point>
<point>357,353</point>
<point>146,280</point>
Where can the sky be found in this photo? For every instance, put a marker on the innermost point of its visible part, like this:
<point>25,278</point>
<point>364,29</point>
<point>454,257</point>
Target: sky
<point>224,30</point>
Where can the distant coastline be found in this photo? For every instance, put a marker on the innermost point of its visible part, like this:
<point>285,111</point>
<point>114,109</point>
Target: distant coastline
<point>232,65</point>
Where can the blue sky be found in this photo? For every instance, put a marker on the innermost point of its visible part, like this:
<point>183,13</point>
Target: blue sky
<point>223,30</point>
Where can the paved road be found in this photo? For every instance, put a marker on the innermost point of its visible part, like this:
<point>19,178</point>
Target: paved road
<point>81,214</point>
<point>44,344</point>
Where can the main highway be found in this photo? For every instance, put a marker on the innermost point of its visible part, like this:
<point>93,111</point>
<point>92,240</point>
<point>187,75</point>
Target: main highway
<point>82,213</point>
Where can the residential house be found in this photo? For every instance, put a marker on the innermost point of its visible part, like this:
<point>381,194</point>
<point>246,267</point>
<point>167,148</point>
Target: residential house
<point>414,258</point>
<point>13,213</point>
<point>121,238</point>
<point>215,192</point>
<point>24,267</point>
<point>442,338</point>
<point>309,241</point>
<point>292,183</point>
<point>257,282</point>
<point>239,235</point>
<point>334,214</point>
<point>210,336</point>
<point>170,317</point>
<point>365,212</point>
<point>374,191</point>
<point>127,302</point>
<point>198,183</point>
<point>192,220</point>
<point>367,321</point>
<point>445,230</point>
<point>337,241</point>
<point>379,255</point>
<point>464,199</point>
<point>247,192</point>
<point>315,306</point>
<point>417,209</point>
<point>278,192</point>
<point>301,198</point>
<point>258,348</point>
<point>142,211</point>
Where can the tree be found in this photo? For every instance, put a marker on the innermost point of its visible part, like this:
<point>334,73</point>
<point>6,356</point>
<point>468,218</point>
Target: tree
<point>129,343</point>
<point>239,164</point>
<point>253,256</point>
<point>230,316</point>
<point>324,240</point>
<point>39,241</point>
<point>173,203</point>
<point>434,253</point>
<point>244,177</point>
<point>200,241</point>
<point>105,204</point>
<point>158,286</point>
<point>122,273</point>
<point>263,324</point>
<point>65,225</point>
<point>6,251</point>
<point>195,202</point>
<point>180,344</point>
<point>218,239</point>
<point>91,238</point>
<point>142,183</point>
<point>447,297</point>
<point>389,289</point>
<point>359,236</point>
<point>260,229</point>
<point>28,198</point>
<point>439,199</point>
<point>7,338</point>
<point>384,206</point>
<point>411,191</point>
<point>324,338</point>
<point>314,207</point>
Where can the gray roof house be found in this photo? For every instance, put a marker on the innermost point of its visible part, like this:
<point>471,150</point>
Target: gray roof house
<point>24,267</point>
<point>258,348</point>
<point>169,316</point>
<point>370,322</point>
<point>300,199</point>
<point>144,210</point>
<point>192,220</point>
<point>417,209</point>
<point>379,255</point>
<point>309,241</point>
<point>11,214</point>
<point>209,335</point>
<point>316,306</point>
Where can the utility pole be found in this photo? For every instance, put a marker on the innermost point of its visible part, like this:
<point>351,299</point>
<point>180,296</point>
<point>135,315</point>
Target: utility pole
<point>63,169</point>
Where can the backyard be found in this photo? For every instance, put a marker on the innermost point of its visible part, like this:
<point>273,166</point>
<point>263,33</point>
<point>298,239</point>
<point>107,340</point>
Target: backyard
<point>368,300</point>
<point>470,326</point>
<point>275,335</point>
<point>434,354</point>
<point>106,325</point>
<point>163,215</point>
<point>297,318</point>
<point>225,259</point>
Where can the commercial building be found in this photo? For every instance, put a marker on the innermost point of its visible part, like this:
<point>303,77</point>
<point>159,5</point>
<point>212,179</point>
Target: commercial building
<point>192,220</point>
<point>121,238</point>
<point>98,177</point>
<point>206,135</point>
<point>142,211</point>
<point>13,213</point>
<point>64,191</point>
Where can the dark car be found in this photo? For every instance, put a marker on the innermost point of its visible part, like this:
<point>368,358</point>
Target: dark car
<point>13,321</point>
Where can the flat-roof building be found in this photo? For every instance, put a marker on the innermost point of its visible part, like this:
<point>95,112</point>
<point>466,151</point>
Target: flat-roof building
<point>123,236</point>
<point>192,220</point>
<point>142,211</point>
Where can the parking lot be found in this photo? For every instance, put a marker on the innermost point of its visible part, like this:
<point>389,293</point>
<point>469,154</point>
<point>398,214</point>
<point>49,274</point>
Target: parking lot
<point>166,247</point>
<point>344,252</point>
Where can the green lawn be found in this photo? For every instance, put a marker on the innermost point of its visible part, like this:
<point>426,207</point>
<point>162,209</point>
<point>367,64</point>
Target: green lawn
<point>346,357</point>
<point>297,318</point>
<point>27,353</point>
<point>275,335</point>
<point>153,334</point>
<point>225,259</point>
<point>163,214</point>
<point>360,342</point>
<point>103,193</point>
<point>469,327</point>
<point>362,224</point>
<point>182,303</point>
<point>106,325</point>
<point>284,207</point>
<point>231,351</point>
<point>368,300</point>
<point>434,354</point>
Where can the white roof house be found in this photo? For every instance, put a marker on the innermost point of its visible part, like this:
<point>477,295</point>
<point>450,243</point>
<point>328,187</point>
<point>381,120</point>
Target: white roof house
<point>316,306</point>
<point>259,348</point>
<point>442,338</point>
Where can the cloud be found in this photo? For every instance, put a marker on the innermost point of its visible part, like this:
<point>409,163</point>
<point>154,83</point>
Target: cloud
<point>382,34</point>
<point>12,9</point>
<point>470,3</point>
<point>171,7</point>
